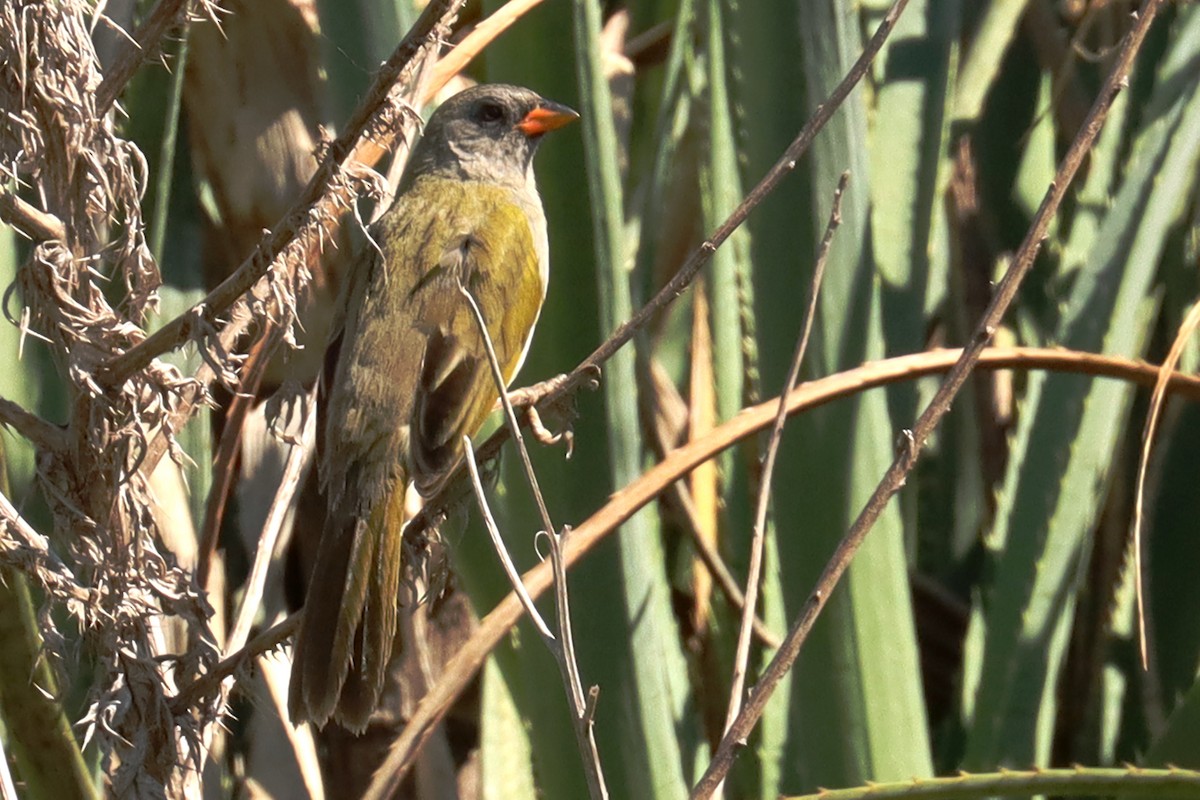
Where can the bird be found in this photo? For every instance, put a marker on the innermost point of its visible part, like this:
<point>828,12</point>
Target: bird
<point>406,373</point>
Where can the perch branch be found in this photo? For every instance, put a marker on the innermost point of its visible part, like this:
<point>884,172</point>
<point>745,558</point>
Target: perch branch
<point>377,121</point>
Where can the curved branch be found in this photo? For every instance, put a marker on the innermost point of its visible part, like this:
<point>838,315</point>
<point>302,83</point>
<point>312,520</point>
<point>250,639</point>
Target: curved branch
<point>626,502</point>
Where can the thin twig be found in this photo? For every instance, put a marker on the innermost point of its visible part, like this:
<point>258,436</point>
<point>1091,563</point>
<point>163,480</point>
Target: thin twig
<point>461,668</point>
<point>210,681</point>
<point>758,538</point>
<point>563,648</point>
<point>1157,402</point>
<point>509,414</point>
<point>510,569</point>
<point>914,440</point>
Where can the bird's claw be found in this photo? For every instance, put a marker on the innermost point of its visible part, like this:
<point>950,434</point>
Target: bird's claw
<point>545,436</point>
<point>527,398</point>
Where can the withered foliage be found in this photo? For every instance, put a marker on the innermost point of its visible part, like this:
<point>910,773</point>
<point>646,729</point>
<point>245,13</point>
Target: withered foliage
<point>87,294</point>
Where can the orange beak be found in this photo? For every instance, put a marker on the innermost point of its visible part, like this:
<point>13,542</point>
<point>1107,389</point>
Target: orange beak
<point>548,116</point>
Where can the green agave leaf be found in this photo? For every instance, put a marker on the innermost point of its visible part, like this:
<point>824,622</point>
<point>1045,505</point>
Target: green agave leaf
<point>981,65</point>
<point>1179,743</point>
<point>23,376</point>
<point>659,740</point>
<point>1172,602</point>
<point>358,36</point>
<point>505,750</point>
<point>910,169</point>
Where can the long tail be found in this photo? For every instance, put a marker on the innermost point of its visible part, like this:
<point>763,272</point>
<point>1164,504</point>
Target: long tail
<point>346,636</point>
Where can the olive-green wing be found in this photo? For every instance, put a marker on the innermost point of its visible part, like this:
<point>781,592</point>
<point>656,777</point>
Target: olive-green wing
<point>496,262</point>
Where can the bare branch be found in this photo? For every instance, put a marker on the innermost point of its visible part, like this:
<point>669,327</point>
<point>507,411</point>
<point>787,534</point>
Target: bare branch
<point>908,452</point>
<point>44,435</point>
<point>38,225</point>
<point>758,538</point>
<point>299,456</point>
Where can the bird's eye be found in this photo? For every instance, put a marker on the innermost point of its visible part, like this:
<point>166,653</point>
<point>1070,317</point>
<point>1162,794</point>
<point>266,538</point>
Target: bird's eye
<point>489,112</point>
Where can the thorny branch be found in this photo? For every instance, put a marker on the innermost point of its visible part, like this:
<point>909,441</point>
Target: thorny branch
<point>907,454</point>
<point>381,117</point>
<point>125,406</point>
<point>62,147</point>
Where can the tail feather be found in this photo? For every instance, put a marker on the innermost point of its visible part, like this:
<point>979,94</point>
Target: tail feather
<point>376,632</point>
<point>341,612</point>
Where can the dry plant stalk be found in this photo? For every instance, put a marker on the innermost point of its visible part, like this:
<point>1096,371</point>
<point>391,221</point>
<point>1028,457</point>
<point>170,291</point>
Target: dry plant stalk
<point>75,186</point>
<point>913,440</point>
<point>59,145</point>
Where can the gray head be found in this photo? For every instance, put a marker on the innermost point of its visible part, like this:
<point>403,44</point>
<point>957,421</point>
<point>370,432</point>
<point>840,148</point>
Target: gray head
<point>488,132</point>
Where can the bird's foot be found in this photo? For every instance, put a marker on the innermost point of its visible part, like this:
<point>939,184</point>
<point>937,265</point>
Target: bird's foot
<point>545,436</point>
<point>562,407</point>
